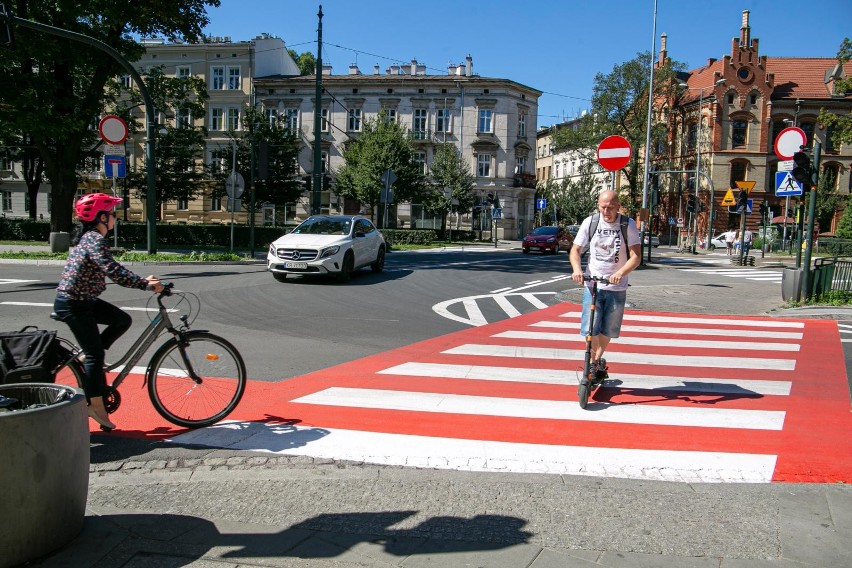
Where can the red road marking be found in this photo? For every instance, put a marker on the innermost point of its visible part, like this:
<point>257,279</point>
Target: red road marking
<point>813,445</point>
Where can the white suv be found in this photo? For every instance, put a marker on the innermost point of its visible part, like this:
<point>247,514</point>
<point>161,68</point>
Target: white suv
<point>328,244</point>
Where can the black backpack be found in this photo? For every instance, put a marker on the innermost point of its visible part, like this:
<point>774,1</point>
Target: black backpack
<point>28,356</point>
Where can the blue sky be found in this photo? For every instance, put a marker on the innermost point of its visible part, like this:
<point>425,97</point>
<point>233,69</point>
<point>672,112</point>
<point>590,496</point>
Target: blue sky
<point>555,46</point>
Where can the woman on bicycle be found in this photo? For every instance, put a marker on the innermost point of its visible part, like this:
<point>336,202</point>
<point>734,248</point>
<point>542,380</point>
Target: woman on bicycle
<point>83,280</point>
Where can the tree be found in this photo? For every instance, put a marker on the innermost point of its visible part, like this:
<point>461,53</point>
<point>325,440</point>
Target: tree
<point>840,123</point>
<point>828,201</point>
<point>306,61</point>
<point>620,106</point>
<point>179,143</point>
<point>575,198</point>
<point>381,145</point>
<point>54,88</point>
<point>450,171</point>
<point>281,185</point>
<point>20,148</point>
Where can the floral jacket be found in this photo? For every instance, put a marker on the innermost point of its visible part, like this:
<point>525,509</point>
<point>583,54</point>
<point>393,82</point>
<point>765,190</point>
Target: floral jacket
<point>88,263</point>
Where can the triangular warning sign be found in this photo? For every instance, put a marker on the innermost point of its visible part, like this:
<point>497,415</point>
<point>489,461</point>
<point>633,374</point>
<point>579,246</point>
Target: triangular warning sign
<point>729,198</point>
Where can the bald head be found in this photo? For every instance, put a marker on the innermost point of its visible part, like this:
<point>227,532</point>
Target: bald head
<point>608,205</point>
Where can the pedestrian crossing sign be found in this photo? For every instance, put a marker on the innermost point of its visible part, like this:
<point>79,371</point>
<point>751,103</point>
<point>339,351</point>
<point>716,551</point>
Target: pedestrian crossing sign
<point>729,199</point>
<point>785,184</point>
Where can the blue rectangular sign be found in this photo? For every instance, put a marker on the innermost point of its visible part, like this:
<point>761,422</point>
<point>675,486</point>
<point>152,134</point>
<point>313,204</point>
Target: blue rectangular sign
<point>540,203</point>
<point>115,166</point>
<point>786,185</point>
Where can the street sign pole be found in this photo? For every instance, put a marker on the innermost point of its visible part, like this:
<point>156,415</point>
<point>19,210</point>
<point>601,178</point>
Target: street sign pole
<point>806,273</point>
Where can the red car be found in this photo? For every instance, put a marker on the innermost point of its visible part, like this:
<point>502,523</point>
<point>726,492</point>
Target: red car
<point>547,239</point>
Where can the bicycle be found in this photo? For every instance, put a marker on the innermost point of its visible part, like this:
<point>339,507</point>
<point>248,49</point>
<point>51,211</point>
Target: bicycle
<point>195,378</point>
<point>589,383</point>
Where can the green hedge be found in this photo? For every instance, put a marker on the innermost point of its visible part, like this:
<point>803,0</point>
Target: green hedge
<point>135,235</point>
<point>410,236</point>
<point>834,246</point>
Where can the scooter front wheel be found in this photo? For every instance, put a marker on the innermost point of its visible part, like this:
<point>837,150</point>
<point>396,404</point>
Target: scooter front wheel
<point>583,393</point>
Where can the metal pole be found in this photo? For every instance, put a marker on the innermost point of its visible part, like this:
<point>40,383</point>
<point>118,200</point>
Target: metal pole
<point>648,129</point>
<point>786,209</point>
<point>806,272</point>
<point>800,236</point>
<point>115,194</point>
<point>232,197</point>
<point>317,173</point>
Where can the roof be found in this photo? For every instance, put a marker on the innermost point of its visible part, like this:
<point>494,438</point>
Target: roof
<point>795,77</point>
<point>398,79</point>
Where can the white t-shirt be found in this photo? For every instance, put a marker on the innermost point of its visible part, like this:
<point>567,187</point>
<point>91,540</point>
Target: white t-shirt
<point>607,251</point>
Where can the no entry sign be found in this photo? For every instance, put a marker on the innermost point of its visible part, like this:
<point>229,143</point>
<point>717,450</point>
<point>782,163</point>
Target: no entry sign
<point>789,141</point>
<point>113,129</point>
<point>614,152</point>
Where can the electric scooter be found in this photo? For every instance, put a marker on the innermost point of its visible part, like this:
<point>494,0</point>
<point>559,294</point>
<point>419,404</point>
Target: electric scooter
<point>589,383</point>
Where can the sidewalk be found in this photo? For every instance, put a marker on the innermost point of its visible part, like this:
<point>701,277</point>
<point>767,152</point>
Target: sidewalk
<point>227,509</point>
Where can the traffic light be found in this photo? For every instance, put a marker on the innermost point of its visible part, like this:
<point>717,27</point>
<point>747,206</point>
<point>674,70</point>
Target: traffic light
<point>690,203</point>
<point>326,182</point>
<point>764,209</point>
<point>803,169</point>
<point>308,183</point>
<point>742,200</point>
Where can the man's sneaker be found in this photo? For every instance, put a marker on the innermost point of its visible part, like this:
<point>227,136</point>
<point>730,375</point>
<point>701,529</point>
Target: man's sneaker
<point>601,372</point>
<point>593,370</point>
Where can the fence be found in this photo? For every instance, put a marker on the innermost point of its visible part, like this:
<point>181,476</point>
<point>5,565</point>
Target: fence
<point>831,274</point>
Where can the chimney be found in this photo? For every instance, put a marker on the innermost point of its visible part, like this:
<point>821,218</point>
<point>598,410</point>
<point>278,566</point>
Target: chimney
<point>711,61</point>
<point>468,65</point>
<point>376,69</point>
<point>663,51</point>
<point>393,70</point>
<point>414,67</point>
<point>326,69</point>
<point>353,69</point>
<point>745,31</point>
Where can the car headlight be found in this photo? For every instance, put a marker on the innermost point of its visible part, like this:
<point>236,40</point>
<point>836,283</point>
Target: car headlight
<point>272,250</point>
<point>330,251</point>
<point>551,240</point>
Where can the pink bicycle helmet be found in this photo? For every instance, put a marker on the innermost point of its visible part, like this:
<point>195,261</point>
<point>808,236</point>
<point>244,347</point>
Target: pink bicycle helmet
<point>88,206</point>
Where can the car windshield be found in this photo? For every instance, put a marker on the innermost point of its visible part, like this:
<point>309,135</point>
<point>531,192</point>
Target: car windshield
<point>324,226</point>
<point>545,231</point>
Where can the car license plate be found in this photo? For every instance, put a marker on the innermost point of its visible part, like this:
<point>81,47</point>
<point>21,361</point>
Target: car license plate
<point>533,248</point>
<point>297,265</point>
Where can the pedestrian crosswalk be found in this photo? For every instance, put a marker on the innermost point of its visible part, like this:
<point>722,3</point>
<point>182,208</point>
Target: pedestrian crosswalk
<point>714,267</point>
<point>690,398</point>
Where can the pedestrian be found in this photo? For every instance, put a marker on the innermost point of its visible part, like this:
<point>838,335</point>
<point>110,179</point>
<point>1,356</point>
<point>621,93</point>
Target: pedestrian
<point>614,252</point>
<point>748,237</point>
<point>83,279</point>
<point>729,242</point>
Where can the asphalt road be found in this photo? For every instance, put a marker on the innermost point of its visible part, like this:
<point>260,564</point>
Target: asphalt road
<point>305,324</point>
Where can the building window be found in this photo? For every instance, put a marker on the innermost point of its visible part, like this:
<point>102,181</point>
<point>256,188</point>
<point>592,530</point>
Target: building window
<point>233,119</point>
<point>558,169</point>
<point>216,203</point>
<point>324,161</point>
<point>125,81</point>
<point>182,204</point>
<point>485,123</point>
<point>272,117</point>
<point>831,175</point>
<point>354,124</point>
<point>738,172</point>
<point>217,165</point>
<point>483,165</point>
<point>739,133</point>
<point>291,119</point>
<point>183,118</point>
<point>522,125</point>
<point>389,114</point>
<point>234,78</point>
<point>183,72</point>
<point>830,132</point>
<point>218,75</point>
<point>324,124</point>
<point>692,136</point>
<point>442,120</point>
<point>216,118</point>
<point>777,127</point>
<point>420,159</point>
<point>418,126</point>
<point>808,129</point>
<point>7,201</point>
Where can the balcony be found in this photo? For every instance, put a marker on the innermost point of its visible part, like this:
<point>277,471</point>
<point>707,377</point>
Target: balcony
<point>524,180</point>
<point>421,135</point>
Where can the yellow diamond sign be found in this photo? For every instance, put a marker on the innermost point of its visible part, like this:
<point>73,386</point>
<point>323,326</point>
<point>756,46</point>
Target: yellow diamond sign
<point>729,198</point>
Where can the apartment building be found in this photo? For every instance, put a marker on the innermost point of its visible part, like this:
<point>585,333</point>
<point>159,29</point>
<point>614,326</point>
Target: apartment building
<point>491,121</point>
<point>560,166</point>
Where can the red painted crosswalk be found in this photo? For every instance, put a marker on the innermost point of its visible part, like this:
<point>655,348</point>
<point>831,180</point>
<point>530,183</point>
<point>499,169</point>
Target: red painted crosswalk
<point>690,398</point>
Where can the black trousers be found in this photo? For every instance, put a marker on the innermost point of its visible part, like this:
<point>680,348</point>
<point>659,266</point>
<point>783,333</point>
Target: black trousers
<point>83,318</point>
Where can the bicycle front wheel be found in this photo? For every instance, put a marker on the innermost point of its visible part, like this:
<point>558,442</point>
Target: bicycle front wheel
<point>196,382</point>
<point>71,374</point>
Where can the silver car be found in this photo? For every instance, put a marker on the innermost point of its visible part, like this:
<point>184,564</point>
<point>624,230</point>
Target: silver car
<point>328,244</point>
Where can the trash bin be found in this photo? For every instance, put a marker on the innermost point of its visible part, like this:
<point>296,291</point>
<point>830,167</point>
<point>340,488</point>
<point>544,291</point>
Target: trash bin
<point>44,469</point>
<point>791,284</point>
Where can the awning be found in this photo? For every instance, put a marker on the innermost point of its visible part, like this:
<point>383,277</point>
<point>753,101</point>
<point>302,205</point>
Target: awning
<point>779,220</point>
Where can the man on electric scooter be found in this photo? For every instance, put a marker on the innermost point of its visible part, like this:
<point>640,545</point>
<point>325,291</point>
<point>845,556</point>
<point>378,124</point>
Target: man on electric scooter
<point>612,258</point>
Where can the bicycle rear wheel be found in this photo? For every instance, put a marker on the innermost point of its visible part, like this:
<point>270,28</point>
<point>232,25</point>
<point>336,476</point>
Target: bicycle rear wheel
<point>198,382</point>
